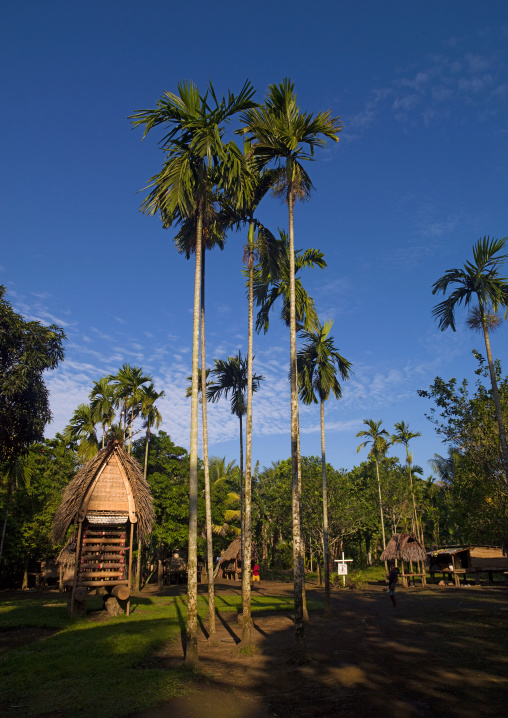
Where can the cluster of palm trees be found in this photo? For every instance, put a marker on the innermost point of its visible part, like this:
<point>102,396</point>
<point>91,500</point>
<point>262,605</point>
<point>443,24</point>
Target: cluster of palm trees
<point>380,441</point>
<point>207,185</point>
<point>124,396</point>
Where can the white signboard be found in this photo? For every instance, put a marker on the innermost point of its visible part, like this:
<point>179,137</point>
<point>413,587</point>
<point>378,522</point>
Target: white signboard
<point>342,569</point>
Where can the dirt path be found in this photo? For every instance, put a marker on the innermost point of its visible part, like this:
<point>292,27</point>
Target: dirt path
<point>441,653</point>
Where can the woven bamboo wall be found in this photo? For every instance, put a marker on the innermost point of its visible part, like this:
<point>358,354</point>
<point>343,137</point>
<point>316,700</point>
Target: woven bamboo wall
<point>109,493</point>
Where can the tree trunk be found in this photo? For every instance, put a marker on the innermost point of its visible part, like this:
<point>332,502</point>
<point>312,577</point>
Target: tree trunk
<point>302,539</point>
<point>191,652</point>
<point>241,488</point>
<point>212,634</point>
<point>495,396</point>
<point>4,527</point>
<point>326,558</point>
<point>247,529</point>
<point>299,647</point>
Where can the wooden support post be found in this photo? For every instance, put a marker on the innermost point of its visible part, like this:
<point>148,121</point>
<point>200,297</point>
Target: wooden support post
<point>130,568</point>
<point>76,565</point>
<point>456,579</point>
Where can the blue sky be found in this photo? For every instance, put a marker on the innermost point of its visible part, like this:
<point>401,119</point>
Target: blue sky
<point>418,176</point>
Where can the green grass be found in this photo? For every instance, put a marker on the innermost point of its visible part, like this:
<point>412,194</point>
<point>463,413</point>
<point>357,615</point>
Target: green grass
<point>99,668</point>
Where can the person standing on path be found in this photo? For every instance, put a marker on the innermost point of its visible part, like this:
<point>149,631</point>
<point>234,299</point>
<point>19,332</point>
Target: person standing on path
<point>255,573</point>
<point>393,579</point>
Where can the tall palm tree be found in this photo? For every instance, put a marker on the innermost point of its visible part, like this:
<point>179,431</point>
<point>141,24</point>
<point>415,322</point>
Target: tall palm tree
<point>271,281</point>
<point>17,474</point>
<point>82,429</point>
<point>282,135</point>
<point>213,235</point>
<point>403,436</point>
<point>376,438</point>
<point>478,280</point>
<point>232,379</point>
<point>102,404</point>
<point>194,145</point>
<point>262,246</point>
<point>318,363</point>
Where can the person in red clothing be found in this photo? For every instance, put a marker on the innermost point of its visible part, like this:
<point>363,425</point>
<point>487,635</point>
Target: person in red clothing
<point>255,573</point>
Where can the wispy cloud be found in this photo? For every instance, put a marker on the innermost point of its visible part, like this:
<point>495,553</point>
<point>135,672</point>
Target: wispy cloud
<point>451,85</point>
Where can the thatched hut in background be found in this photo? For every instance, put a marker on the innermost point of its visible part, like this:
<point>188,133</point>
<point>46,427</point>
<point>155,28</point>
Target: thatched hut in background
<point>104,501</point>
<point>230,566</point>
<point>405,548</point>
<point>66,561</point>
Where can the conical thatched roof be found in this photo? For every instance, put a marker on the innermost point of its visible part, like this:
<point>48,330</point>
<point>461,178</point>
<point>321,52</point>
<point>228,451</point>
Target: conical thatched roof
<point>404,547</point>
<point>234,550</point>
<point>114,461</point>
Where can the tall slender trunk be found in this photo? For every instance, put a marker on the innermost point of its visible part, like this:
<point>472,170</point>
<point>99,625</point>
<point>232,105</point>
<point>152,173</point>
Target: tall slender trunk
<point>381,508</point>
<point>247,529</point>
<point>495,396</point>
<point>4,527</point>
<point>212,634</point>
<point>191,653</point>
<point>302,538</point>
<point>328,605</point>
<point>241,489</point>
<point>295,469</point>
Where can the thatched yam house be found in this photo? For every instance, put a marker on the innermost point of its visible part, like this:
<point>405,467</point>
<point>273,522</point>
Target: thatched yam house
<point>104,501</point>
<point>405,548</point>
<point>231,559</point>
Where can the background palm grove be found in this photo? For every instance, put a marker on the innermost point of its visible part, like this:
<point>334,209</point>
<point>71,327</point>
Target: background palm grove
<point>315,261</point>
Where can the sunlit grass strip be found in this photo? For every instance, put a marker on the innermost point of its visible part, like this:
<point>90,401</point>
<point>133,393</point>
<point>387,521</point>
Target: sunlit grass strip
<point>99,668</point>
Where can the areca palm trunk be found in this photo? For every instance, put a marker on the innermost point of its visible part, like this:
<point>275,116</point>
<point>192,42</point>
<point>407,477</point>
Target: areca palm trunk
<point>212,635</point>
<point>296,498</point>
<point>495,395</point>
<point>246,529</point>
<point>191,653</point>
<point>305,613</point>
<point>4,527</point>
<point>328,606</point>
<point>241,487</point>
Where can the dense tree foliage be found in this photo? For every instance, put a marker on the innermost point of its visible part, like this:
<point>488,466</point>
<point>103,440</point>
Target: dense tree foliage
<point>27,350</point>
<point>472,474</point>
<point>28,537</point>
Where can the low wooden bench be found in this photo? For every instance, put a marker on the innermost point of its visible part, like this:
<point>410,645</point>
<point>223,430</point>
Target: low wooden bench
<point>408,577</point>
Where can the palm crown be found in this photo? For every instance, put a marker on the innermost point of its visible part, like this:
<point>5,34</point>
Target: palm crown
<point>281,134</point>
<point>272,281</point>
<point>318,362</point>
<point>231,380</point>
<point>480,279</point>
<point>194,145</point>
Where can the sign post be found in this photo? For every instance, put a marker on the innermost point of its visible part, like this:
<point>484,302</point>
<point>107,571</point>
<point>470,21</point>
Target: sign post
<point>342,567</point>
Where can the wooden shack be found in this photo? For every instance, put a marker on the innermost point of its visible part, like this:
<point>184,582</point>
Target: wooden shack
<point>104,501</point>
<point>406,549</point>
<point>457,561</point>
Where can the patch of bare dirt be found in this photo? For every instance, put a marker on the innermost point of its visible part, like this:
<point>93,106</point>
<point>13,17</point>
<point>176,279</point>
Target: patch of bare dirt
<point>442,652</point>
